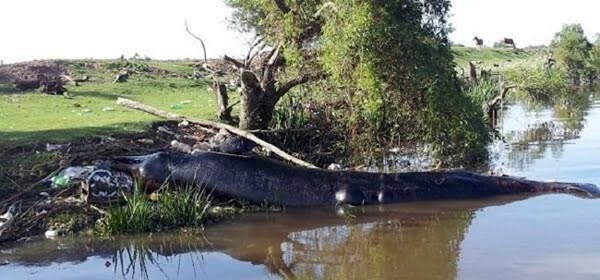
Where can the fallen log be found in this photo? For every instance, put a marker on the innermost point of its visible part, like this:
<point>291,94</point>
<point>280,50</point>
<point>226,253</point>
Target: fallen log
<point>170,116</point>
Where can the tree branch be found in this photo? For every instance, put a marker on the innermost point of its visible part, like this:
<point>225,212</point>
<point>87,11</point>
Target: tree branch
<point>187,29</point>
<point>237,64</point>
<point>283,89</point>
<point>157,112</point>
<point>270,67</point>
<point>250,56</point>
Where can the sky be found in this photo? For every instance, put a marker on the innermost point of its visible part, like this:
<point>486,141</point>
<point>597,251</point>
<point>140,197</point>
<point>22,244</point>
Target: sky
<point>42,29</point>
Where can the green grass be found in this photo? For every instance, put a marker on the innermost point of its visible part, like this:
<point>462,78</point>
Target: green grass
<point>185,207</point>
<point>32,117</point>
<point>482,92</point>
<point>504,57</point>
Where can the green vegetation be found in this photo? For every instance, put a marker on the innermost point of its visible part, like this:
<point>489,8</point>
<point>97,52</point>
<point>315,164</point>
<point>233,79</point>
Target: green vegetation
<point>186,207</point>
<point>538,84</point>
<point>388,62</point>
<point>572,49</point>
<point>483,91</point>
<point>503,57</point>
<point>32,117</point>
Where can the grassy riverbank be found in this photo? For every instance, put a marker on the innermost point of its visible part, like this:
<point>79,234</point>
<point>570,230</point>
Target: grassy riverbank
<point>30,117</point>
<point>496,58</point>
<point>89,114</point>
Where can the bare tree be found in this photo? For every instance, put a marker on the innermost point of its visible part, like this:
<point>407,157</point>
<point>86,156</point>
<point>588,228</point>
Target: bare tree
<point>260,90</point>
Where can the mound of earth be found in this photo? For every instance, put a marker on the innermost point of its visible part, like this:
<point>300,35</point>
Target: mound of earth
<point>43,76</point>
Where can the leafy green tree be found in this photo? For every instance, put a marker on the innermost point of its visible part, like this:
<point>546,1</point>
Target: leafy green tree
<point>571,49</point>
<point>388,61</point>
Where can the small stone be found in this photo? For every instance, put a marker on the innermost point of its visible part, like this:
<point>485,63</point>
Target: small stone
<point>53,147</point>
<point>334,166</point>
<point>184,123</point>
<point>182,147</point>
<point>51,234</point>
<point>145,141</point>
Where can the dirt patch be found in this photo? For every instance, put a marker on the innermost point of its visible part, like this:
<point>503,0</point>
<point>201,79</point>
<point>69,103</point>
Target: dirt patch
<point>43,76</point>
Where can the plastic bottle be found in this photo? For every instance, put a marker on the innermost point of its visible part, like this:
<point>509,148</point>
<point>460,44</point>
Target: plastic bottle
<point>60,181</point>
<point>69,175</point>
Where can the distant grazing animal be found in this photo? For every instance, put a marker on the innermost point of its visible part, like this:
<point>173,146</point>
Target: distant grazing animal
<point>478,41</point>
<point>510,42</point>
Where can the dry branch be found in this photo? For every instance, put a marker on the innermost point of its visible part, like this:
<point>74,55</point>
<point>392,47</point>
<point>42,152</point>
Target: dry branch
<point>238,65</point>
<point>187,29</point>
<point>157,112</point>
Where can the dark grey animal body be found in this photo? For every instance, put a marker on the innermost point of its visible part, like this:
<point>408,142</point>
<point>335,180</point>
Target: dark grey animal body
<point>260,180</point>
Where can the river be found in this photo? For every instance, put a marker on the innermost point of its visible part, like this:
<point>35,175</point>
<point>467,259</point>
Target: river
<point>509,237</point>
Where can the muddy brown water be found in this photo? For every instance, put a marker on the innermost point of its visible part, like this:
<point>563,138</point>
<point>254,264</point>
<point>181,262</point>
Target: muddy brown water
<point>509,237</point>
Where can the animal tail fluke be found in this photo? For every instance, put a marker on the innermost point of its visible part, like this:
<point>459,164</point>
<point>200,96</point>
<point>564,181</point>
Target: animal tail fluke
<point>577,189</point>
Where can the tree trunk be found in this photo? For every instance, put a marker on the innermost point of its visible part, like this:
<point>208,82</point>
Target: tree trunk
<point>257,103</point>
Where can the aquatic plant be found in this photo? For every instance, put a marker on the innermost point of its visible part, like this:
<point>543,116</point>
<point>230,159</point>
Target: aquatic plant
<point>184,207</point>
<point>136,215</point>
<point>483,91</point>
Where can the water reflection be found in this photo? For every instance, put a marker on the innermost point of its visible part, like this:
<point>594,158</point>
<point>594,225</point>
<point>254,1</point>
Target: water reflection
<point>411,241</point>
<point>542,127</point>
<point>549,237</point>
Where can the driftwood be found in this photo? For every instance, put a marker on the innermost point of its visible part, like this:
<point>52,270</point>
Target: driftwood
<point>170,116</point>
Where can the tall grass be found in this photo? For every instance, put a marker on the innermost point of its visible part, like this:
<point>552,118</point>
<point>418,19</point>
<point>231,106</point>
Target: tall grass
<point>185,207</point>
<point>483,91</point>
